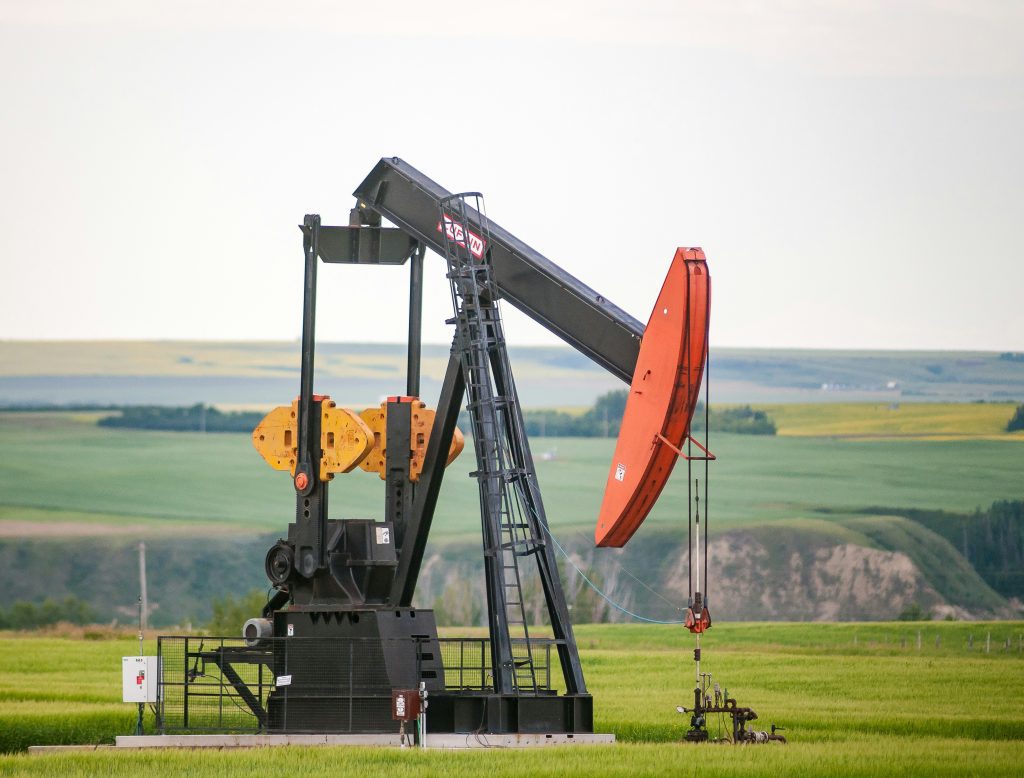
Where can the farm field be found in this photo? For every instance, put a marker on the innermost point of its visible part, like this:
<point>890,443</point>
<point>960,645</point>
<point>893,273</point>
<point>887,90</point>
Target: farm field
<point>267,373</point>
<point>59,469</point>
<point>88,494</point>
<point>936,421</point>
<point>856,699</point>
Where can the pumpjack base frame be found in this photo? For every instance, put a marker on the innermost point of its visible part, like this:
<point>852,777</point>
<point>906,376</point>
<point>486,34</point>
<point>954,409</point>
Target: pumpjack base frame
<point>471,713</point>
<point>341,667</point>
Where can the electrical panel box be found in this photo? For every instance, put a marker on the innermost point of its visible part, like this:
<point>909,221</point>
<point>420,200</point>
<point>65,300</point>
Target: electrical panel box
<point>405,704</point>
<point>139,678</point>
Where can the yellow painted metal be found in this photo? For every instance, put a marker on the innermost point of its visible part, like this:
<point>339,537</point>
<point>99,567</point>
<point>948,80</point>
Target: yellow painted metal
<point>344,438</point>
<point>376,419</point>
<point>422,423</point>
<point>275,437</point>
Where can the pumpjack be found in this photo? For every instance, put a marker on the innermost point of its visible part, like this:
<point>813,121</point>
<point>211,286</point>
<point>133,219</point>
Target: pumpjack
<point>355,579</point>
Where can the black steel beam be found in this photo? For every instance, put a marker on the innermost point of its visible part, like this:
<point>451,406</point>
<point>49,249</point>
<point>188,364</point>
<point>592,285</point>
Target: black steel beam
<point>429,486</point>
<point>527,279</point>
<point>412,369</point>
<point>279,600</point>
<point>243,691</point>
<point>397,486</point>
<point>311,493</point>
<point>365,245</point>
<point>547,564</point>
<point>310,245</point>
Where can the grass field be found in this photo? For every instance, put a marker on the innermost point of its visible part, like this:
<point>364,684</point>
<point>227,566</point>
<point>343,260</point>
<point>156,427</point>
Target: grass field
<point>60,469</point>
<point>856,699</point>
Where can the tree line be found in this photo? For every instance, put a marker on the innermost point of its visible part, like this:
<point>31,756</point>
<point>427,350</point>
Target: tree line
<point>1016,421</point>
<point>604,419</point>
<point>29,615</point>
<point>194,418</point>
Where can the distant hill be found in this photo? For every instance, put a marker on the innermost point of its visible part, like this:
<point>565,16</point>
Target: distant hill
<point>869,568</point>
<point>267,373</point>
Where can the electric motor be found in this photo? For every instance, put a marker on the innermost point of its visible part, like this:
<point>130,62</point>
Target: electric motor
<point>256,630</point>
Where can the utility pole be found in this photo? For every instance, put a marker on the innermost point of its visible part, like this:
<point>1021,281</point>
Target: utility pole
<point>143,598</point>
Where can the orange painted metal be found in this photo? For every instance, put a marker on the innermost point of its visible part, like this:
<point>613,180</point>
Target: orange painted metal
<point>697,623</point>
<point>662,397</point>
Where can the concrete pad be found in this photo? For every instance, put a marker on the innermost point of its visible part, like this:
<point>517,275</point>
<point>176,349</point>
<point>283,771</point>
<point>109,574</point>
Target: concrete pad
<point>448,740</point>
<point>443,740</point>
<point>252,741</point>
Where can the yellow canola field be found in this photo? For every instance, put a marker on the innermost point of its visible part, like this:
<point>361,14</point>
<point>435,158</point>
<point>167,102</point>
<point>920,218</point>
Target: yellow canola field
<point>934,421</point>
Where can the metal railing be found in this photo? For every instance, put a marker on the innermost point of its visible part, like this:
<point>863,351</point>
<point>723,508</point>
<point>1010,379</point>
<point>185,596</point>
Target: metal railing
<point>221,684</point>
<point>467,663</point>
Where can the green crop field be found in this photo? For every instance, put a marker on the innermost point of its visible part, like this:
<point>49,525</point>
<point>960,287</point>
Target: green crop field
<point>60,469</point>
<point>856,699</point>
<point>86,494</point>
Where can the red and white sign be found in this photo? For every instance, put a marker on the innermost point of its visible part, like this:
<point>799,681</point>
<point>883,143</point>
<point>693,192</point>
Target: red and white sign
<point>456,234</point>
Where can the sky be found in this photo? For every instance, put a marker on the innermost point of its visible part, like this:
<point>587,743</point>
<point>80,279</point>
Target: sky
<point>853,170</point>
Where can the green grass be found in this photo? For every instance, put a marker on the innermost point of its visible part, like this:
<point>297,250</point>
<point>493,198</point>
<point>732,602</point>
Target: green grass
<point>56,690</point>
<point>854,702</point>
<point>883,756</point>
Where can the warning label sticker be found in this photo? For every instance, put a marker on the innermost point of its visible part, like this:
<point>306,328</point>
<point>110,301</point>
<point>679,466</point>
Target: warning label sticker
<point>620,472</point>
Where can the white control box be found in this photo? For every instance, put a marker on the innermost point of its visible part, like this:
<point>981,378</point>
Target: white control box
<point>139,678</point>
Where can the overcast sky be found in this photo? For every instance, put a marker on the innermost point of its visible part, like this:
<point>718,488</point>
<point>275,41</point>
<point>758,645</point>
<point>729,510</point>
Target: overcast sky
<point>854,170</point>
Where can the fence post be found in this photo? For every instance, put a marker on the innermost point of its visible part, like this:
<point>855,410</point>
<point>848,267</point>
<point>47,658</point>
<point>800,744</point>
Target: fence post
<point>159,686</point>
<point>919,640</point>
<point>184,696</point>
<point>988,643</point>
